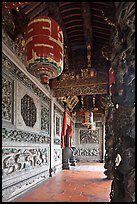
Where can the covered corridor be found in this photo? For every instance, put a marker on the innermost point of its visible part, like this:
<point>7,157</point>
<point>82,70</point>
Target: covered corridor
<point>84,182</point>
<point>68,95</point>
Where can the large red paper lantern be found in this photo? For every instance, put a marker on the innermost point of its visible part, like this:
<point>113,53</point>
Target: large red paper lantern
<point>44,48</point>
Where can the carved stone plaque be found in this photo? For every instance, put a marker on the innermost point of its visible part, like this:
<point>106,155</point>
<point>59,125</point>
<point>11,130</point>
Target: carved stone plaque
<point>89,136</point>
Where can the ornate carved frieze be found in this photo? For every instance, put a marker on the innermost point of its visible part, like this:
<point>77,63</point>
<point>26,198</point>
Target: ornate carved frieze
<point>7,99</point>
<point>74,83</point>
<point>89,136</point>
<point>74,79</point>
<point>45,119</point>
<point>12,46</point>
<point>81,90</point>
<point>16,159</point>
<point>88,152</point>
<point>22,136</point>
<point>8,65</point>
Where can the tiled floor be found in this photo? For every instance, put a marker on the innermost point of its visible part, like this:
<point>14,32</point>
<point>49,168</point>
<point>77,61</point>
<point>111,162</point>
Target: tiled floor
<point>82,183</point>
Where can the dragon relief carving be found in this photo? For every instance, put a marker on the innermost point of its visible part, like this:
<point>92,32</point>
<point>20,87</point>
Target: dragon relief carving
<point>14,160</point>
<point>88,152</point>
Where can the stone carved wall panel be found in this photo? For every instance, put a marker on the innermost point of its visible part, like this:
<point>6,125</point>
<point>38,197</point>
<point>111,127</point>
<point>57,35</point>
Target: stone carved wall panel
<point>58,121</point>
<point>12,69</point>
<point>88,152</point>
<point>25,159</point>
<point>32,104</point>
<point>16,159</point>
<point>89,136</point>
<point>45,119</point>
<point>22,136</point>
<point>88,143</point>
<point>7,99</point>
<point>57,125</point>
<point>8,194</point>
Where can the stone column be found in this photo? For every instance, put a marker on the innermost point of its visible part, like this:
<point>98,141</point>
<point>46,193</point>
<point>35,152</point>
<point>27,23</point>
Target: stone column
<point>51,136</point>
<point>110,154</point>
<point>123,63</point>
<point>66,152</point>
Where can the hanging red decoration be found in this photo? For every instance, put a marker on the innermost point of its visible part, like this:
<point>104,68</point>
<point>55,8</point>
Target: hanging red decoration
<point>44,48</point>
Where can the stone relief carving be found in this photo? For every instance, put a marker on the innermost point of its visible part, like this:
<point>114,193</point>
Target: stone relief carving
<point>57,154</point>
<point>21,136</point>
<point>18,159</point>
<point>8,65</point>
<point>58,121</point>
<point>57,125</point>
<point>88,152</point>
<point>89,136</point>
<point>28,110</point>
<point>12,46</point>
<point>45,119</point>
<point>7,99</point>
<point>13,190</point>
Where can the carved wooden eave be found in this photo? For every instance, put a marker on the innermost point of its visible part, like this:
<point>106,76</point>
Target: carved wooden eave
<point>70,85</point>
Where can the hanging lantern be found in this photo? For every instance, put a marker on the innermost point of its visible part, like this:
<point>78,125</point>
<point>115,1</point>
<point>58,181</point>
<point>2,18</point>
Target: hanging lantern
<point>44,49</point>
<point>88,118</point>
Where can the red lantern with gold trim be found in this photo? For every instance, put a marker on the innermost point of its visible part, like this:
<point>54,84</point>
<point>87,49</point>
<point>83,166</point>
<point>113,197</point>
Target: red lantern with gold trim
<point>44,48</point>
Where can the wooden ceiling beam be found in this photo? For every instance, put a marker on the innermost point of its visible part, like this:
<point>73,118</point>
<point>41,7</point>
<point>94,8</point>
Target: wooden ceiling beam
<point>102,33</point>
<point>54,10</point>
<point>100,28</point>
<point>73,21</point>
<point>31,7</point>
<point>37,11</point>
<point>102,23</point>
<point>87,26</point>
